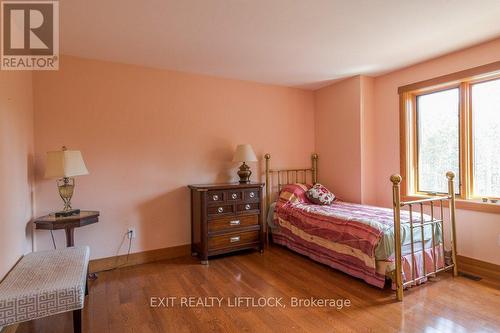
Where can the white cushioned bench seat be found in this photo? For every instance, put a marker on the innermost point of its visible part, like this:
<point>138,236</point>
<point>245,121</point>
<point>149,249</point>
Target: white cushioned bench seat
<point>43,284</point>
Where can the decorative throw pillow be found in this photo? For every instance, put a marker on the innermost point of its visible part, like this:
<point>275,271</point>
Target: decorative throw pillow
<point>292,193</point>
<point>320,195</point>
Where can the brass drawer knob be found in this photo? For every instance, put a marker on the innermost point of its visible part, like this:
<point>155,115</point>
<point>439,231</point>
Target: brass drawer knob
<point>220,209</point>
<point>252,194</point>
<point>215,197</point>
<point>235,222</point>
<point>247,206</point>
<point>234,195</point>
<point>234,239</point>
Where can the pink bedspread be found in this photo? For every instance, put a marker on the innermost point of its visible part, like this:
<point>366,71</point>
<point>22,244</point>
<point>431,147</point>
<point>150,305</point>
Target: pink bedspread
<point>343,236</point>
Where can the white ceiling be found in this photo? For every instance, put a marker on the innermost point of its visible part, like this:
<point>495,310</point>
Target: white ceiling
<point>304,43</point>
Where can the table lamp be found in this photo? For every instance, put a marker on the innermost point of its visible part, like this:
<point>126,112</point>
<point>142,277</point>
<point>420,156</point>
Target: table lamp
<point>244,153</point>
<point>64,165</point>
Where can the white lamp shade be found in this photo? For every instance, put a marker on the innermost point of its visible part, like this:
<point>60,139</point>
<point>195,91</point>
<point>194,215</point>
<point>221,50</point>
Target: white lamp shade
<point>65,163</point>
<point>244,153</point>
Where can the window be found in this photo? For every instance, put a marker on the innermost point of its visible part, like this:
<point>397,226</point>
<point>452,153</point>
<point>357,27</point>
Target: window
<point>452,123</point>
<point>485,109</point>
<point>438,138</point>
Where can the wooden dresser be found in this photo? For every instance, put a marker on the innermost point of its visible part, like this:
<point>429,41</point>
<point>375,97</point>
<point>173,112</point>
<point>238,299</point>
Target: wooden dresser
<point>226,218</point>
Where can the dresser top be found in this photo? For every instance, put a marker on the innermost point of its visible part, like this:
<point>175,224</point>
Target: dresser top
<point>223,186</point>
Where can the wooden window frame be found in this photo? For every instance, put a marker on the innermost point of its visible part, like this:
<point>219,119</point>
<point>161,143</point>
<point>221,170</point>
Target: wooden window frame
<point>415,138</point>
<point>463,80</point>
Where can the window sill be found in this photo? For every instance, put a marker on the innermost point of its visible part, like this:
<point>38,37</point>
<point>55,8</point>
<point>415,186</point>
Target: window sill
<point>474,205</point>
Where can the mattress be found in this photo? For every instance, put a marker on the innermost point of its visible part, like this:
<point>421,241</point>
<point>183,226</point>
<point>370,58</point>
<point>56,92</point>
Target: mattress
<point>356,239</point>
<point>369,215</point>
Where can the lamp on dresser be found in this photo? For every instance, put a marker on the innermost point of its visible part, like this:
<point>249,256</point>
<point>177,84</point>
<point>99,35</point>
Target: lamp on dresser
<point>65,164</point>
<point>244,153</point>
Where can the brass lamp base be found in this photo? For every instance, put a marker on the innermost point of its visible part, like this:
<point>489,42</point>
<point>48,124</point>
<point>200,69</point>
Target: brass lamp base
<point>66,188</point>
<point>244,173</point>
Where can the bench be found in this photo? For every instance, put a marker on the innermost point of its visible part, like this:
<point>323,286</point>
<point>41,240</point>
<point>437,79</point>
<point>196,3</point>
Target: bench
<point>45,283</point>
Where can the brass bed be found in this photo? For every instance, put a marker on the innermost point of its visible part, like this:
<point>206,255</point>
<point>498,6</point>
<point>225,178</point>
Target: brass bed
<point>310,176</point>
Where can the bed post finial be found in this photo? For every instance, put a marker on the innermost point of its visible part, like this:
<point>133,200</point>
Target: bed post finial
<point>396,179</point>
<point>451,193</point>
<point>314,160</point>
<point>396,206</point>
<point>268,196</point>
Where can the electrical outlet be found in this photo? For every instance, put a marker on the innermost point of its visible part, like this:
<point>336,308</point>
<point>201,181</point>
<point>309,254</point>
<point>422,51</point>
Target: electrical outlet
<point>131,233</point>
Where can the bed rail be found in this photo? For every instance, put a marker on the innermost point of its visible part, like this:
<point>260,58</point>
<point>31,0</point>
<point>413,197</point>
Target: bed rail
<point>397,205</point>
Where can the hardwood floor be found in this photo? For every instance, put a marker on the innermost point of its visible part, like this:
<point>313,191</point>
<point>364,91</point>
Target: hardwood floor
<point>119,300</point>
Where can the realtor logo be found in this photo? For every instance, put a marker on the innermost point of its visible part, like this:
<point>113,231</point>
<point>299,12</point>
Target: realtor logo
<point>30,35</point>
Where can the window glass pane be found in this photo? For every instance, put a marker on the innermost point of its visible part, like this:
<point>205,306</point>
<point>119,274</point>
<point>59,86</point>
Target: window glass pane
<point>438,140</point>
<point>486,138</point>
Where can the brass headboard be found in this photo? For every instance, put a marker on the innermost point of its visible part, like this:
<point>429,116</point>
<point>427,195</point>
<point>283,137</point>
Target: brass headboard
<point>286,176</point>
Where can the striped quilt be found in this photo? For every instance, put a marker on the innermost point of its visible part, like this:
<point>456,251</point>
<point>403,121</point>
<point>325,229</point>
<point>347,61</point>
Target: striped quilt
<point>356,239</point>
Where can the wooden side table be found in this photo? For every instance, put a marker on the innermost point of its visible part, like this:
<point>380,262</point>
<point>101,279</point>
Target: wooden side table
<point>68,223</point>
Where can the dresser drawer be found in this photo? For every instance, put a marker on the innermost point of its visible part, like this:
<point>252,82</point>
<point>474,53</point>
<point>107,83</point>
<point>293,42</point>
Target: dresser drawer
<point>232,223</point>
<point>220,210</point>
<point>251,195</point>
<point>215,197</point>
<point>232,240</point>
<point>248,207</point>
<point>233,195</point>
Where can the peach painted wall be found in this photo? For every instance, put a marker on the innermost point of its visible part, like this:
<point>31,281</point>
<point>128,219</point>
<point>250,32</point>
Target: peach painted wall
<point>16,154</point>
<point>368,147</point>
<point>146,134</point>
<point>338,138</point>
<point>477,233</point>
<point>345,132</point>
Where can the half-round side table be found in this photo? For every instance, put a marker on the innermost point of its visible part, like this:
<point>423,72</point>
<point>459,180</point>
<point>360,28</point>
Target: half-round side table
<point>68,223</point>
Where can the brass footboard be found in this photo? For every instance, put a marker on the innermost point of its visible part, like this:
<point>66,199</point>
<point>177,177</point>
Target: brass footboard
<point>432,201</point>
